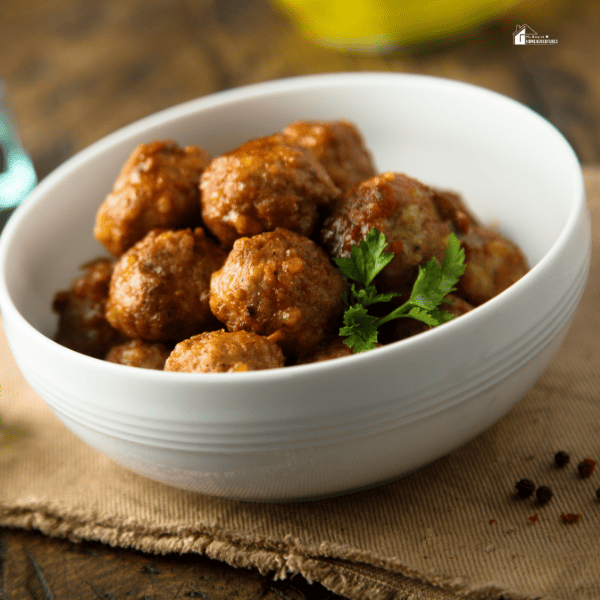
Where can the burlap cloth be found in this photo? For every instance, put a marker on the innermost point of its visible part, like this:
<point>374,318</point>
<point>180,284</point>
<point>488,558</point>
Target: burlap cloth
<point>452,530</point>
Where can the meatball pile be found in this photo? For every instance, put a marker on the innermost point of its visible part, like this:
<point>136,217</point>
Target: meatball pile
<point>225,264</point>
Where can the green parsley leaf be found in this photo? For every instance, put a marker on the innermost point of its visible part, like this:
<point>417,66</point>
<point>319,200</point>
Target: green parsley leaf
<point>367,260</point>
<point>422,315</point>
<point>433,284</point>
<point>360,329</point>
<point>369,295</point>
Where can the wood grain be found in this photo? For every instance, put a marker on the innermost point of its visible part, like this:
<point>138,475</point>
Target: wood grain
<point>79,69</point>
<point>34,567</point>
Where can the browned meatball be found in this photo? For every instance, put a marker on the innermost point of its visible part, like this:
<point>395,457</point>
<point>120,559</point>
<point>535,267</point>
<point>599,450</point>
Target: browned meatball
<point>82,325</point>
<point>278,284</point>
<point>406,327</point>
<point>402,209</point>
<point>493,264</point>
<point>331,347</point>
<point>157,187</point>
<point>451,207</point>
<point>339,147</point>
<point>264,184</point>
<point>139,353</point>
<point>160,287</point>
<point>225,352</point>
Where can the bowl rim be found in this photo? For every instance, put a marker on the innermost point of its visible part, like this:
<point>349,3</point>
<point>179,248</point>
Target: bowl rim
<point>268,88</point>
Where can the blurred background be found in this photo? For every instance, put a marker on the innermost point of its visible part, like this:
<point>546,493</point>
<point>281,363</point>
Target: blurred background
<point>77,70</point>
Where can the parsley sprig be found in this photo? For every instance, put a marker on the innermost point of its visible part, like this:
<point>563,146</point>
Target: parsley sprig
<point>433,283</point>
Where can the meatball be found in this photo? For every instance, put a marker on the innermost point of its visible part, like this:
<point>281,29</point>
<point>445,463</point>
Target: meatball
<point>279,284</point>
<point>451,208</point>
<point>493,264</point>
<point>331,347</point>
<point>339,147</point>
<point>82,325</point>
<point>157,187</point>
<point>403,328</point>
<point>402,209</point>
<point>138,353</point>
<point>264,184</point>
<point>225,352</point>
<point>160,287</point>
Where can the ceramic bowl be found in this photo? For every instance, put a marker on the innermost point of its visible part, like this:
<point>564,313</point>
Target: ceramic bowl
<point>326,428</point>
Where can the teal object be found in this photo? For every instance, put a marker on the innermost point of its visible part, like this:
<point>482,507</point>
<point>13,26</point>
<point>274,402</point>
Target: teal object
<point>17,173</point>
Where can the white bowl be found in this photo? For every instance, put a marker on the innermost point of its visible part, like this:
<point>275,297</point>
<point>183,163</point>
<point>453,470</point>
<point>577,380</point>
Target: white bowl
<point>325,428</point>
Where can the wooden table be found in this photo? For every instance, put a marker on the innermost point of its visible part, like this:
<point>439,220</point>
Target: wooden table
<point>35,567</point>
<point>79,69</point>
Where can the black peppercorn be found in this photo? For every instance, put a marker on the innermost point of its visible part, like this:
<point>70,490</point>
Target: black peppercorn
<point>543,494</point>
<point>525,487</point>
<point>586,467</point>
<point>561,458</point>
<point>598,493</point>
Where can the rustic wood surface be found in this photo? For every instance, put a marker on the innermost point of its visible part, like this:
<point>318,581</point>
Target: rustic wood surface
<point>39,568</point>
<point>79,69</point>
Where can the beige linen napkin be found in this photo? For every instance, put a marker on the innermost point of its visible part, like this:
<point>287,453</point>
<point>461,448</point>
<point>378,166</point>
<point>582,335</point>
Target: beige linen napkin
<point>451,530</point>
